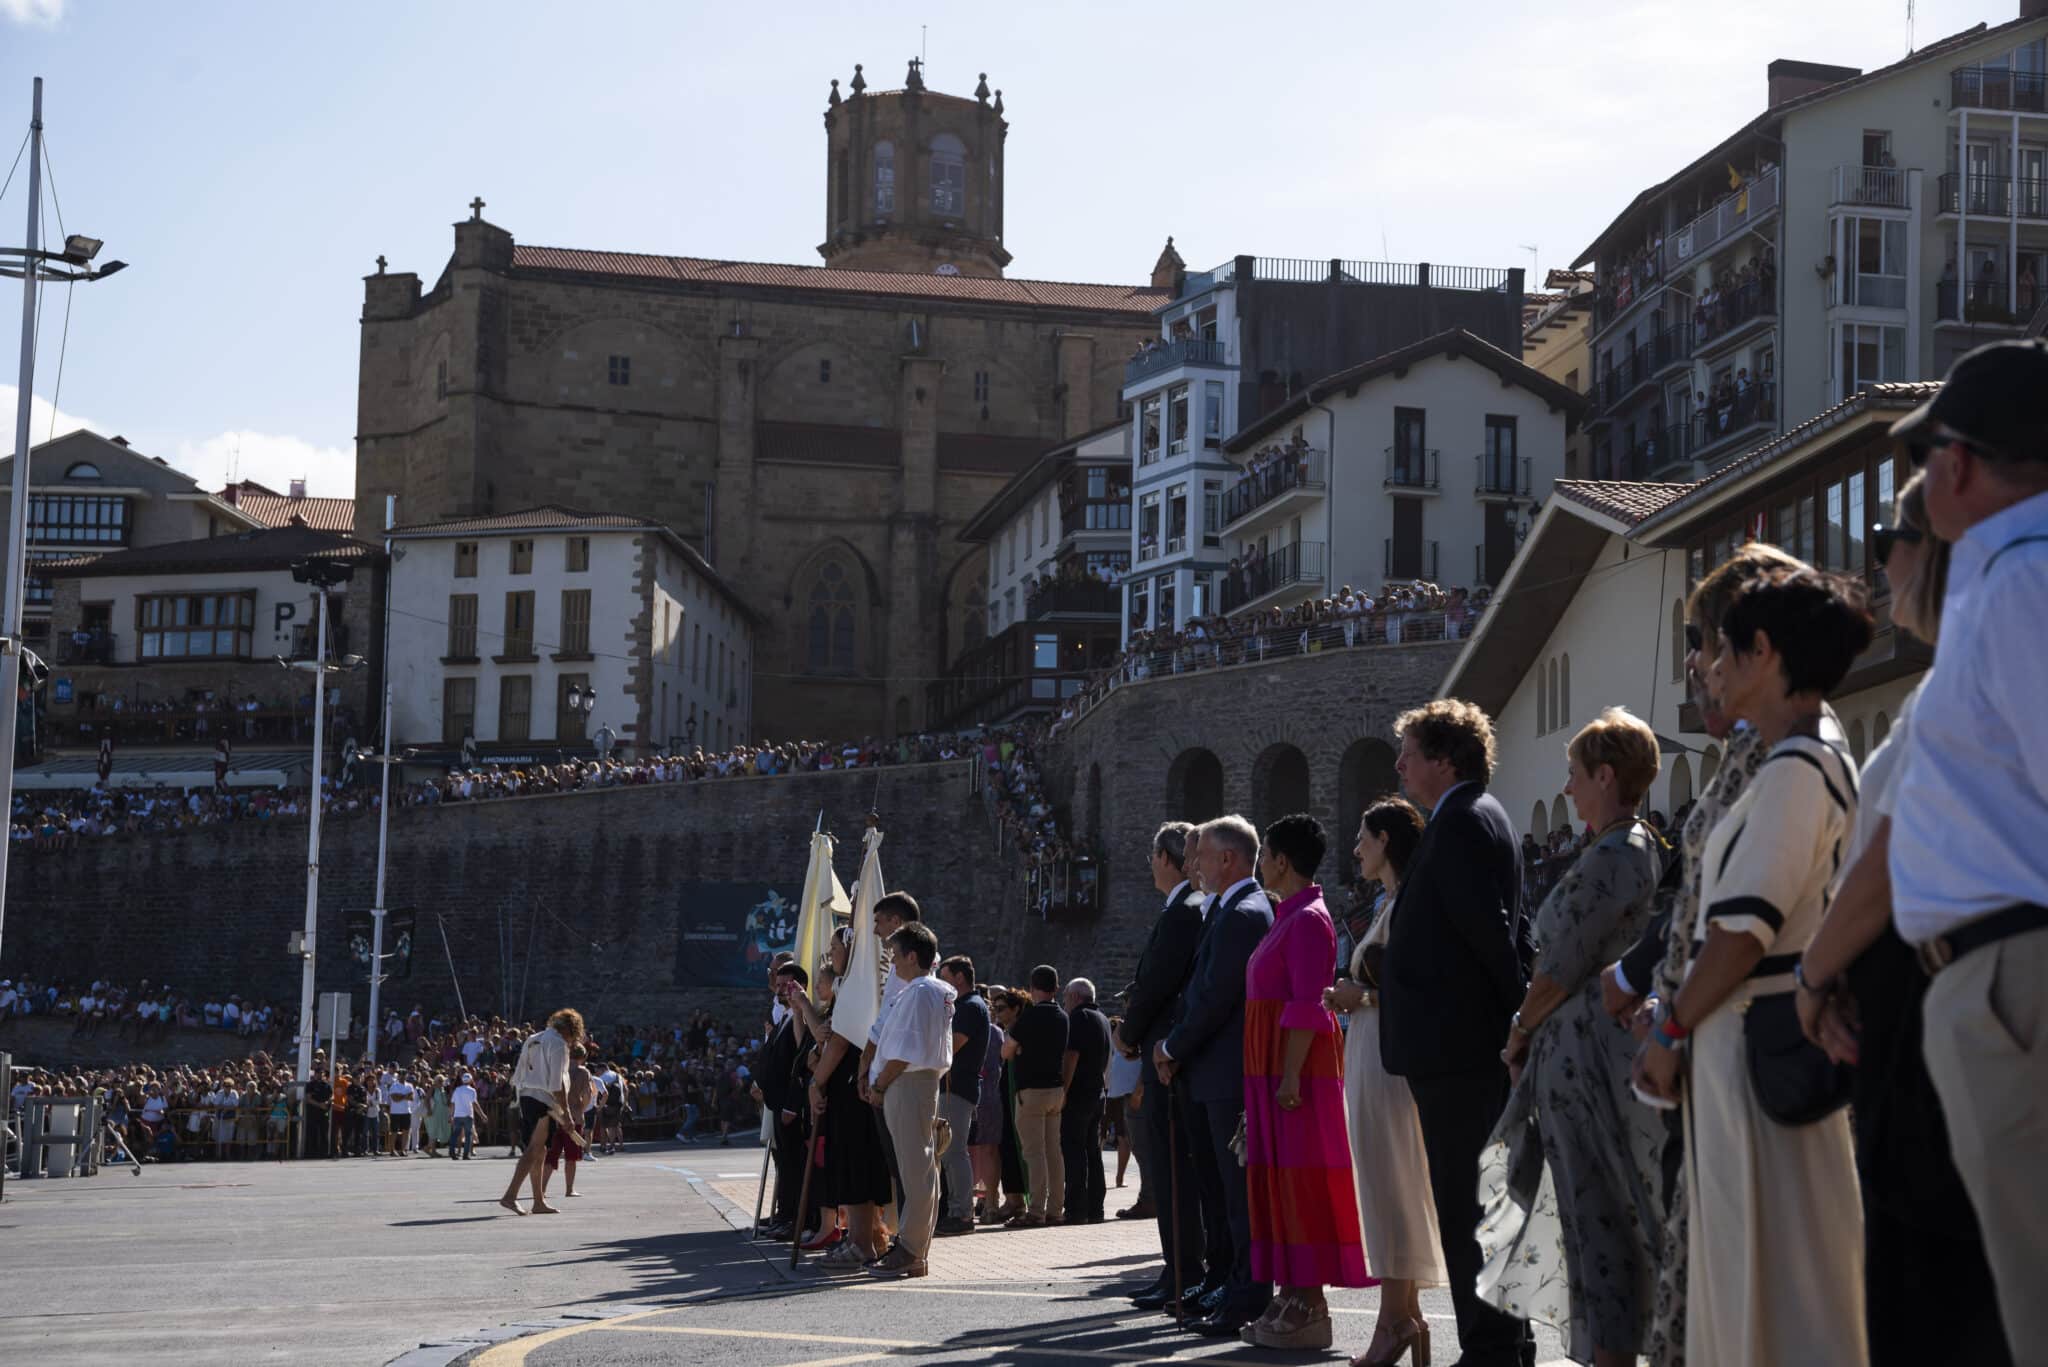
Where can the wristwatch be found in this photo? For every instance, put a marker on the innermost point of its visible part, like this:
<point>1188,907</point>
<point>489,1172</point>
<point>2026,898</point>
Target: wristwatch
<point>1799,978</point>
<point>1519,1028</point>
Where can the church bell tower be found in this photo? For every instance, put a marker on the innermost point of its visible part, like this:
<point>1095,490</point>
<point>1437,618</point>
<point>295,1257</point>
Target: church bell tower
<point>914,179</point>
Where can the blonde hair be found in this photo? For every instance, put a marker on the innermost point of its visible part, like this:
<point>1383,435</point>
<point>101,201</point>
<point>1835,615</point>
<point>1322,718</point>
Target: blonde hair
<point>568,1023</point>
<point>1922,595</point>
<point>1623,741</point>
<point>1713,595</point>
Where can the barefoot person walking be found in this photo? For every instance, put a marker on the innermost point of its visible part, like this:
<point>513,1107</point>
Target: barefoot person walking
<point>541,1084</point>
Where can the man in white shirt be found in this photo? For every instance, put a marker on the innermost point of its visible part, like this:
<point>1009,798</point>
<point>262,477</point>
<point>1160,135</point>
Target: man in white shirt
<point>540,1082</point>
<point>401,1097</point>
<point>1969,866</point>
<point>915,1048</point>
<point>462,1108</point>
<point>471,1047</point>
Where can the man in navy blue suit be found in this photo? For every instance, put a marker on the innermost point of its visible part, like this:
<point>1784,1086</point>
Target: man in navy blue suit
<point>1456,966</point>
<point>1204,1052</point>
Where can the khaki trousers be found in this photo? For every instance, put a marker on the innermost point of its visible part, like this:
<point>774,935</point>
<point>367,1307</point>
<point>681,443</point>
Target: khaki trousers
<point>910,1105</point>
<point>1038,1134</point>
<point>1986,1041</point>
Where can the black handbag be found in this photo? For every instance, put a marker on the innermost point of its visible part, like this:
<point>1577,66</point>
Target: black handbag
<point>1796,1082</point>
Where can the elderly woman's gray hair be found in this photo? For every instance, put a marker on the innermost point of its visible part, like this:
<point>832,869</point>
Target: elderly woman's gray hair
<point>1081,990</point>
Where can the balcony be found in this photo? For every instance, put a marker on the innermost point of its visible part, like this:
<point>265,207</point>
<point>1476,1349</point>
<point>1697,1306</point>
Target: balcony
<point>1874,187</point>
<point>1269,494</point>
<point>1073,598</point>
<point>1411,467</point>
<point>1159,357</point>
<point>87,648</point>
<point>1671,347</point>
<point>1735,213</point>
<point>1409,562</point>
<point>1998,87</point>
<point>1731,312</point>
<point>1986,195</point>
<point>1721,422</point>
<point>1497,476</point>
<point>1251,583</point>
<point>1985,300</point>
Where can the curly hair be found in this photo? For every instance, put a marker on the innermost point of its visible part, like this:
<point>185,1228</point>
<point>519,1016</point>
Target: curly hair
<point>1455,730</point>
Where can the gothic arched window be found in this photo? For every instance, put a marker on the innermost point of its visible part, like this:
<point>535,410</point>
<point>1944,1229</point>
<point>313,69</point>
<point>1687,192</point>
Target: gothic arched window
<point>974,613</point>
<point>831,621</point>
<point>949,176</point>
<point>885,178</point>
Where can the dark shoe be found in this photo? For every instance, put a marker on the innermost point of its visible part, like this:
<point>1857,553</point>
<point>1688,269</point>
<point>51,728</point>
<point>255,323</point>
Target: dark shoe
<point>1211,1299</point>
<point>1153,1297</point>
<point>954,1224</point>
<point>897,1262</point>
<point>1141,1211</point>
<point>1224,1324</point>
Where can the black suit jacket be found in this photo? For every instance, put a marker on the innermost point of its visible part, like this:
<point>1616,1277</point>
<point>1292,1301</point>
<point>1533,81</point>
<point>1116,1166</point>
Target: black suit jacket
<point>1207,1042</point>
<point>1163,968</point>
<point>772,1072</point>
<point>1457,948</point>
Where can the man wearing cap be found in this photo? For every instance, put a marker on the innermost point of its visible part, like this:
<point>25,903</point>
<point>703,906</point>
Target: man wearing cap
<point>1969,862</point>
<point>462,1138</point>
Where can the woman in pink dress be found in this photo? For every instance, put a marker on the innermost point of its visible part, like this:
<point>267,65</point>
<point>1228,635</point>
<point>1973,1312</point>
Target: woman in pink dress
<point>1305,1230</point>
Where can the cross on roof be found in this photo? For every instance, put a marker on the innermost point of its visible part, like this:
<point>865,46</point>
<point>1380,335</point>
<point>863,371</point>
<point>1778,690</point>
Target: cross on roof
<point>476,207</point>
<point>380,264</point>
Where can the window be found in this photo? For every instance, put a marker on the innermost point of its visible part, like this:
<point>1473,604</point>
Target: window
<point>1012,540</point>
<point>1542,699</point>
<point>84,469</point>
<point>441,380</point>
<point>522,557</point>
<point>1141,606</point>
<point>195,626</point>
<point>570,722</point>
<point>1886,495</point>
<point>462,626</point>
<point>696,652</point>
<point>1564,684</point>
<point>576,554</point>
<point>77,519</point>
<point>1212,512</point>
<point>1176,519</point>
<point>518,643</point>
<point>824,370</point>
<point>1677,640</point>
<point>1835,556</point>
<point>1148,526</point>
<point>465,560</point>
<point>1045,653</point>
<point>458,710</point>
<point>981,386</point>
<point>831,621</point>
<point>1149,413</point>
<point>618,370</point>
<point>885,178</point>
<point>1177,420</point>
<point>1212,413</point>
<point>575,622</point>
<point>949,176</point>
<point>1870,355</point>
<point>1877,254</point>
<point>1502,474</point>
<point>1045,522</point>
<point>515,707</point>
<point>1858,520</point>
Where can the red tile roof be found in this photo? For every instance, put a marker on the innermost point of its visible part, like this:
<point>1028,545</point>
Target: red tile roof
<point>1138,301</point>
<point>1624,500</point>
<point>273,509</point>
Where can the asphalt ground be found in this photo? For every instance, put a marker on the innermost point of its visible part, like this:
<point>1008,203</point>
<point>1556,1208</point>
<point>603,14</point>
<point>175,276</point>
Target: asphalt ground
<point>410,1261</point>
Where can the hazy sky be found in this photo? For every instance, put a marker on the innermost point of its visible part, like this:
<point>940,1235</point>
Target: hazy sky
<point>251,160</point>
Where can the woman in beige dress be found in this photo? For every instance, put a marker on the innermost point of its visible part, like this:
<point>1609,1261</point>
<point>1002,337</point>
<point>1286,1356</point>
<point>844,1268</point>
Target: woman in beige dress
<point>1387,1161</point>
<point>1775,1256</point>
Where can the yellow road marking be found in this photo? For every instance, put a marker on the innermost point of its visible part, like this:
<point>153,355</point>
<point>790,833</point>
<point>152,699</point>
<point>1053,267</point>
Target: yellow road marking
<point>708,1332</point>
<point>514,1352</point>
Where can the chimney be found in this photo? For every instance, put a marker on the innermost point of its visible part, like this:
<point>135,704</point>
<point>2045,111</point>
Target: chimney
<point>298,487</point>
<point>119,440</point>
<point>1788,80</point>
<point>230,495</point>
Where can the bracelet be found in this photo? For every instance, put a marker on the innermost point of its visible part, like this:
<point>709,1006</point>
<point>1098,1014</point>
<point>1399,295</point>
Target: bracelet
<point>1799,978</point>
<point>1516,1025</point>
<point>1665,1029</point>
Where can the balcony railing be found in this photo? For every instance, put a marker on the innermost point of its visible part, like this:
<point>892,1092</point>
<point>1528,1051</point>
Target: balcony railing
<point>1731,309</point>
<point>1985,300</point>
<point>1998,87</point>
<point>1287,473</point>
<point>1410,467</point>
<point>1719,421</point>
<point>1735,212</point>
<point>1991,195</point>
<point>1670,347</point>
<point>87,648</point>
<point>1175,545</point>
<point>1300,562</point>
<point>1411,562</point>
<point>1882,187</point>
<point>1085,597</point>
<point>1165,355</point>
<point>1501,476</point>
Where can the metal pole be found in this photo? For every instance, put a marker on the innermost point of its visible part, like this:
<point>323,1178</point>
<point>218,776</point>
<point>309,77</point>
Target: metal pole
<point>313,856</point>
<point>11,624</point>
<point>377,912</point>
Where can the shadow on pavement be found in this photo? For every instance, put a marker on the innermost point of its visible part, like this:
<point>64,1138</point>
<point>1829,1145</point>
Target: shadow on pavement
<point>700,1265</point>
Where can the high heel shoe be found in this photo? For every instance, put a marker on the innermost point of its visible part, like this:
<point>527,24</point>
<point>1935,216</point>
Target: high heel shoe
<point>1410,1336</point>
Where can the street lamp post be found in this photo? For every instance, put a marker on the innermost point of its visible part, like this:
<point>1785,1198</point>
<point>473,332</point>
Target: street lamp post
<point>383,838</point>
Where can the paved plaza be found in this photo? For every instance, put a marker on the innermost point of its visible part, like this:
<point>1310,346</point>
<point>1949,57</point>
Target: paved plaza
<point>410,1262</point>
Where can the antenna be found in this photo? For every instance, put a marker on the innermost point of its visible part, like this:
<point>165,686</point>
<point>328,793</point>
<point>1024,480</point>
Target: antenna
<point>924,42</point>
<point>1909,25</point>
<point>1533,254</point>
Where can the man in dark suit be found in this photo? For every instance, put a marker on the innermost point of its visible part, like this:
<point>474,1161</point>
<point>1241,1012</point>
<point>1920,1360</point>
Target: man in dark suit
<point>1205,1052</point>
<point>1455,973</point>
<point>1087,1071</point>
<point>1150,1003</point>
<point>778,1094</point>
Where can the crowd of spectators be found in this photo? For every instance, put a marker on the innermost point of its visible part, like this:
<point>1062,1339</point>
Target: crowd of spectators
<point>145,1012</point>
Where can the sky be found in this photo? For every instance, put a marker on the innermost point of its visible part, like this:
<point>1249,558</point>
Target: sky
<point>250,161</point>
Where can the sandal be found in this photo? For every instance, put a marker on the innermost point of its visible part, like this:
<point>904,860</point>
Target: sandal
<point>847,1257</point>
<point>1298,1326</point>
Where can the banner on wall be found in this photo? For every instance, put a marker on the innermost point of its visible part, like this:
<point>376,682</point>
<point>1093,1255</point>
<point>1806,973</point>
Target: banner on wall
<point>727,932</point>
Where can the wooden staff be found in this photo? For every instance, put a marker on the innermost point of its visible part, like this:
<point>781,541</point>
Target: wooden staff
<point>1173,1195</point>
<point>803,1200</point>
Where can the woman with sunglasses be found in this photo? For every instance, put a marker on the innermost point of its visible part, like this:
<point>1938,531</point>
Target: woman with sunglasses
<point>1860,993</point>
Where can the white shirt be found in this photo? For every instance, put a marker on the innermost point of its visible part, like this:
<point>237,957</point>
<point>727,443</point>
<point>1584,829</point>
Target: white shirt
<point>470,1050</point>
<point>543,1069</point>
<point>892,988</point>
<point>919,1030</point>
<point>1228,893</point>
<point>1973,798</point>
<point>401,1098</point>
<point>464,1101</point>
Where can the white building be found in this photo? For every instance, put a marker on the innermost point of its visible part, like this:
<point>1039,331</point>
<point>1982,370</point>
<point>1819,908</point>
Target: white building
<point>1591,613</point>
<point>1425,463</point>
<point>1864,228</point>
<point>494,622</point>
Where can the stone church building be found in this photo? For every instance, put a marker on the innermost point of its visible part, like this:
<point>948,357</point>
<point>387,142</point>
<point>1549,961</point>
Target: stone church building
<point>822,433</point>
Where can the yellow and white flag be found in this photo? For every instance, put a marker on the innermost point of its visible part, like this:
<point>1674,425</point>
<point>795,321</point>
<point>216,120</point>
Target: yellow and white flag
<point>858,998</point>
<point>824,900</point>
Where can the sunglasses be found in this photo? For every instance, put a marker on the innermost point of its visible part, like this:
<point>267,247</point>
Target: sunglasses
<point>1883,538</point>
<point>1693,639</point>
<point>1918,451</point>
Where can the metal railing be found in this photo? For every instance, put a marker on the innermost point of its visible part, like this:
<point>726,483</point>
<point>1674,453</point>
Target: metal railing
<point>1288,472</point>
<point>1411,467</point>
<point>88,648</point>
<point>1339,271</point>
<point>1985,300</point>
<point>167,728</point>
<point>1165,355</point>
<point>1734,213</point>
<point>1719,421</point>
<point>1730,310</point>
<point>1501,475</point>
<point>1998,87</point>
<point>1086,597</point>
<point>1879,186</point>
<point>1300,562</point>
<point>1639,367</point>
<point>1992,195</point>
<point>1423,566</point>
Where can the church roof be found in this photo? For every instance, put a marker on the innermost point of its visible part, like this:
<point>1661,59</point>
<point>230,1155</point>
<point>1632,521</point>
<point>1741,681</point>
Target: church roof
<point>1136,300</point>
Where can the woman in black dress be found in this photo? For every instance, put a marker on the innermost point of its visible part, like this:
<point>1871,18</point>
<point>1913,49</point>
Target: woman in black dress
<point>854,1172</point>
